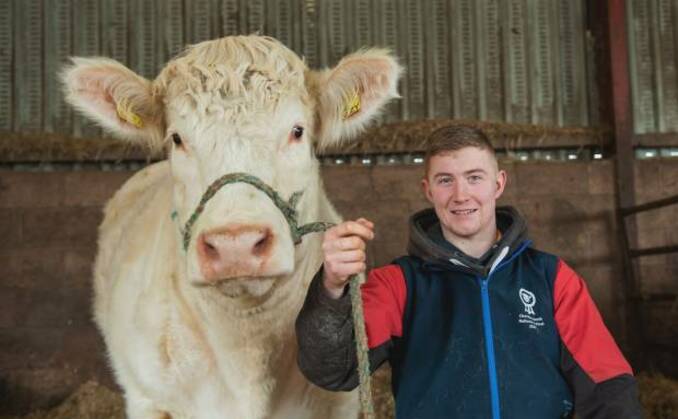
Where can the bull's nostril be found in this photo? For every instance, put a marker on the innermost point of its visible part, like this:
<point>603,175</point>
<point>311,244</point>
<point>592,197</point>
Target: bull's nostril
<point>210,250</point>
<point>263,245</point>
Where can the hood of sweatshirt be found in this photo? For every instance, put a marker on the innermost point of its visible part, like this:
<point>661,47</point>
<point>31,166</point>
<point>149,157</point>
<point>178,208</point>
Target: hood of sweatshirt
<point>428,243</point>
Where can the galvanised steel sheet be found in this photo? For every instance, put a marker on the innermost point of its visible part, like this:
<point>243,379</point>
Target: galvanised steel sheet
<point>523,61</point>
<point>653,43</point>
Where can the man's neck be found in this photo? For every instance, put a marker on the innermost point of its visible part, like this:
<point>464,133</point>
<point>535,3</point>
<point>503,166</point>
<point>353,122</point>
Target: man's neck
<point>477,245</point>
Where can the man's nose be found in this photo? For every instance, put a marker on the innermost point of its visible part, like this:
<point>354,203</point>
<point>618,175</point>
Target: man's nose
<point>459,192</point>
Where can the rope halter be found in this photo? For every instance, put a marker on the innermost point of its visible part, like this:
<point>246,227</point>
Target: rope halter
<point>288,208</point>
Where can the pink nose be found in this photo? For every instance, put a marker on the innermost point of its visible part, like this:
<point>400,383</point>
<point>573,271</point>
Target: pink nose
<point>234,251</point>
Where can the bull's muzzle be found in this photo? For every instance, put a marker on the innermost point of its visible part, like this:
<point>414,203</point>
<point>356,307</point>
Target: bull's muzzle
<point>235,251</point>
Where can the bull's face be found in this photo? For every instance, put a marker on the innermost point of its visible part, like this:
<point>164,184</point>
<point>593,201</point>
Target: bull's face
<point>238,105</point>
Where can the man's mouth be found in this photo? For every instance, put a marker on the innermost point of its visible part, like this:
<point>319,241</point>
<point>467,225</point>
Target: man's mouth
<point>463,211</point>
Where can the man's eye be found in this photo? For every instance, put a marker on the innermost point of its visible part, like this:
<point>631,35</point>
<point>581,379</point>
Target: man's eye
<point>444,180</point>
<point>475,179</point>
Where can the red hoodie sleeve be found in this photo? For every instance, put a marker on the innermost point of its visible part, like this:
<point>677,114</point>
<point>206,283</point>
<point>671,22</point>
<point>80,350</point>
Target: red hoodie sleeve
<point>599,375</point>
<point>582,329</point>
<point>384,295</point>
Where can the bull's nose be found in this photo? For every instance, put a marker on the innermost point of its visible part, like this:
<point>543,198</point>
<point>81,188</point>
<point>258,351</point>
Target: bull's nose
<point>234,251</point>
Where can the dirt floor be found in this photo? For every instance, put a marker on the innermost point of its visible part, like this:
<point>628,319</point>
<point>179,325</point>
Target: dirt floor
<point>659,396</point>
<point>90,401</point>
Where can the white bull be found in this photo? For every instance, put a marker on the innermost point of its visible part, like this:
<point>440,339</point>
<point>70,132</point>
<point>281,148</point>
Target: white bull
<point>207,332</point>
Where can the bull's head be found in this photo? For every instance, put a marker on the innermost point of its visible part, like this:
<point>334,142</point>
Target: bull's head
<point>238,104</point>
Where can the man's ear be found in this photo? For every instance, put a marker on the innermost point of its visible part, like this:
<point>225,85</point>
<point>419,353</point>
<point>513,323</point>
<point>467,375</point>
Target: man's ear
<point>502,178</point>
<point>426,188</point>
<point>115,97</point>
<point>353,93</point>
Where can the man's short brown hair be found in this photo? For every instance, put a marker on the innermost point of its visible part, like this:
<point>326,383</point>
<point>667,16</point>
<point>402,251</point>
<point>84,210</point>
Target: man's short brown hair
<point>454,138</point>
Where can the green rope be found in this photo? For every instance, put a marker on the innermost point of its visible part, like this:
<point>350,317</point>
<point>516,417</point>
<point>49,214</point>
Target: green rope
<point>364,377</point>
<point>288,209</point>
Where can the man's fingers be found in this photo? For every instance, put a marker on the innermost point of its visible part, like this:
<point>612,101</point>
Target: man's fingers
<point>352,228</point>
<point>347,256</point>
<point>345,270</point>
<point>344,244</point>
<point>367,223</point>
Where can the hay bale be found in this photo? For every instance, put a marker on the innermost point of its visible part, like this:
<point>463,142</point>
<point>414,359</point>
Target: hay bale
<point>90,401</point>
<point>658,395</point>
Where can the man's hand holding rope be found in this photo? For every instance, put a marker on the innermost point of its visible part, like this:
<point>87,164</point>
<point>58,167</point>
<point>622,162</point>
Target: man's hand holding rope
<point>344,254</point>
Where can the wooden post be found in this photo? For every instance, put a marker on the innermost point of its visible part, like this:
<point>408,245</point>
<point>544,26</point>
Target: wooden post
<point>607,22</point>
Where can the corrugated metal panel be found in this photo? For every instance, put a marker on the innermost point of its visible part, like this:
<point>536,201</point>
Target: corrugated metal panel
<point>572,65</point>
<point>516,81</point>
<point>86,42</point>
<point>467,94</point>
<point>114,30</point>
<point>282,22</point>
<point>653,39</point>
<point>506,60</point>
<point>666,35</point>
<point>309,32</point>
<point>6,62</point>
<point>143,31</point>
<point>57,49</point>
<point>230,17</point>
<point>490,60</point>
<point>170,31</point>
<point>411,20</point>
<point>338,40</point>
<point>28,68</point>
<point>438,59</point>
<point>198,15</point>
<point>254,13</point>
<point>541,41</point>
<point>387,29</point>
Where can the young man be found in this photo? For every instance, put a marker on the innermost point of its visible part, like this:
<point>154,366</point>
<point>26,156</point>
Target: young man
<point>474,322</point>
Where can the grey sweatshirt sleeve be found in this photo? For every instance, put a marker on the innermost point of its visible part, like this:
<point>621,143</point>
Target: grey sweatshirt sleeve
<point>327,355</point>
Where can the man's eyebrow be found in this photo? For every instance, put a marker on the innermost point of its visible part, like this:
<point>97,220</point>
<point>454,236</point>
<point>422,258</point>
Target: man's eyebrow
<point>466,173</point>
<point>472,171</point>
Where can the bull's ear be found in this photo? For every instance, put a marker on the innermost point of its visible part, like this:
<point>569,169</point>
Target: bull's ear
<point>118,99</point>
<point>353,93</point>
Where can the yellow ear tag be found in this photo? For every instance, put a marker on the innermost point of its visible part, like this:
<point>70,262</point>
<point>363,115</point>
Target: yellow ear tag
<point>126,114</point>
<point>352,106</point>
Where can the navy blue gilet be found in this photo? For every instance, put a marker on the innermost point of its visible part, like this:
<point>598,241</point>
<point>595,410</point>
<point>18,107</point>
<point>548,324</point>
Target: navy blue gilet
<point>475,347</point>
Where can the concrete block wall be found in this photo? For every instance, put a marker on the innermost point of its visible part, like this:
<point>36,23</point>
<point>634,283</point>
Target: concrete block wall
<point>48,230</point>
<point>48,226</point>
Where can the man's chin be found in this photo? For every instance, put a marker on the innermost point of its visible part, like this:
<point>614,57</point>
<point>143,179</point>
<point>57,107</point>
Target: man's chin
<point>460,231</point>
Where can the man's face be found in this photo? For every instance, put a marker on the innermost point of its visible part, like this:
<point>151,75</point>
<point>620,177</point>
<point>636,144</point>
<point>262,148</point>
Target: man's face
<point>463,187</point>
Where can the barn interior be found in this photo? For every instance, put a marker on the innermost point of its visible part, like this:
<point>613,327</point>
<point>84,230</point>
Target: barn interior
<point>579,98</point>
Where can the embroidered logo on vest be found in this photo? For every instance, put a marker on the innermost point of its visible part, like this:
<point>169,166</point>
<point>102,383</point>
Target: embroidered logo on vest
<point>529,300</point>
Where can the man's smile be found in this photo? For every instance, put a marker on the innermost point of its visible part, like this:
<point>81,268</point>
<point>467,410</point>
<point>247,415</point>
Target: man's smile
<point>464,211</point>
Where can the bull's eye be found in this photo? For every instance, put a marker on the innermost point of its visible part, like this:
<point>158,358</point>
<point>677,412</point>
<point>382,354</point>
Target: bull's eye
<point>297,132</point>
<point>176,139</point>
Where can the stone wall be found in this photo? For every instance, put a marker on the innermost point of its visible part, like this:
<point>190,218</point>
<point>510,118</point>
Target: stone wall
<point>48,225</point>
